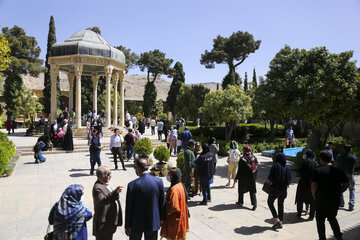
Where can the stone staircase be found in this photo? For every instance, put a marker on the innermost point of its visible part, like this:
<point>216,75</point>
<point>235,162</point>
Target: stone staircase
<point>81,132</point>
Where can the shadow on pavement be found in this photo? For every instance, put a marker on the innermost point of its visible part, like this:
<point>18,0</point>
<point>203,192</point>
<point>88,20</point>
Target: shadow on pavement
<point>251,230</point>
<point>352,233</point>
<point>78,170</point>
<point>224,207</point>
<point>289,218</point>
<point>79,175</point>
<point>30,163</point>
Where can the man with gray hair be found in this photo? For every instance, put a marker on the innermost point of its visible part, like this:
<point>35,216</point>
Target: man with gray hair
<point>144,204</point>
<point>107,208</point>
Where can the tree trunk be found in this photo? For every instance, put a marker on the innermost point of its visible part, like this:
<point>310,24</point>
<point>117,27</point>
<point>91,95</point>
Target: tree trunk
<point>314,138</point>
<point>228,130</point>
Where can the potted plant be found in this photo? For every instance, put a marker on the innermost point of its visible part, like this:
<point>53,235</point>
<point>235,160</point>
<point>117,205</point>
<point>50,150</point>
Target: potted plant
<point>164,171</point>
<point>143,147</point>
<point>162,154</point>
<point>154,171</point>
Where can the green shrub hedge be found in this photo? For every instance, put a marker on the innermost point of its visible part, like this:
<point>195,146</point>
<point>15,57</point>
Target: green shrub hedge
<point>7,152</point>
<point>180,163</point>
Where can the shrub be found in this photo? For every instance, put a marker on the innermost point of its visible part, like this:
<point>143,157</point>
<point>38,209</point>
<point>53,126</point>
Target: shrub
<point>7,152</point>
<point>162,116</point>
<point>162,154</point>
<point>180,163</point>
<point>143,147</point>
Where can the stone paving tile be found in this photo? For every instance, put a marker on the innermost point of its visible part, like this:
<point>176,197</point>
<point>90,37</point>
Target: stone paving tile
<point>27,196</point>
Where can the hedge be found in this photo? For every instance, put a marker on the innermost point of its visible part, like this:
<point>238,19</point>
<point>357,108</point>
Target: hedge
<point>7,152</point>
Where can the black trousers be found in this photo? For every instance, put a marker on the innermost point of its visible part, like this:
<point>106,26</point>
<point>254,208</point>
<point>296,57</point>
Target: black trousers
<point>116,151</point>
<point>252,198</point>
<point>270,202</point>
<point>321,215</point>
<point>299,207</point>
<point>149,235</point>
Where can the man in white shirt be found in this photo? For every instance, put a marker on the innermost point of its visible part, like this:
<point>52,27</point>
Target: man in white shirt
<point>152,124</point>
<point>127,116</point>
<point>160,126</point>
<point>115,147</point>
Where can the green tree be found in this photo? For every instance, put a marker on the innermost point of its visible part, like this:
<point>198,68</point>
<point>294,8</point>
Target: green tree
<point>156,64</point>
<point>4,61</point>
<point>47,82</point>
<point>131,58</point>
<point>228,80</point>
<point>246,83</point>
<point>237,47</point>
<point>27,104</point>
<point>178,80</point>
<point>190,99</point>
<point>4,53</point>
<point>254,81</point>
<point>95,29</point>
<point>227,106</point>
<point>132,107</point>
<point>24,58</point>
<point>316,86</point>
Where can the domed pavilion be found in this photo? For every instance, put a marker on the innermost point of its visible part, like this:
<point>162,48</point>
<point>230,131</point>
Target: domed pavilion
<point>86,53</point>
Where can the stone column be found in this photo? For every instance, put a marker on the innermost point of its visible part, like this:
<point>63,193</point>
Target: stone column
<point>71,76</point>
<point>108,74</point>
<point>54,71</point>
<point>122,113</point>
<point>115,84</point>
<point>95,80</point>
<point>78,71</point>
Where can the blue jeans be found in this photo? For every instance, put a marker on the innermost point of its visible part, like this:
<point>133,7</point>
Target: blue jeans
<point>205,185</point>
<point>129,151</point>
<point>94,158</point>
<point>351,190</point>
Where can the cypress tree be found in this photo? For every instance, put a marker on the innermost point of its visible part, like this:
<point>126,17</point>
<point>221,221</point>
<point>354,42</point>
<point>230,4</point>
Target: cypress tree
<point>254,82</point>
<point>47,82</point>
<point>150,95</point>
<point>245,82</point>
<point>178,80</point>
<point>232,78</point>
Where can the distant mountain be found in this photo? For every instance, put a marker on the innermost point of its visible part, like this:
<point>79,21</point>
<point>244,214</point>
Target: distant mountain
<point>134,85</point>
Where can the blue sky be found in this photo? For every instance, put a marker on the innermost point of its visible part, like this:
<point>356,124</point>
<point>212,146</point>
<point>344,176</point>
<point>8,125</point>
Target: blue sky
<point>184,29</point>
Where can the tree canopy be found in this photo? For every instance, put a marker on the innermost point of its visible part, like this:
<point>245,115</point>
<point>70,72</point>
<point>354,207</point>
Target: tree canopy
<point>27,105</point>
<point>316,86</point>
<point>227,106</point>
<point>24,58</point>
<point>95,29</point>
<point>131,58</point>
<point>156,64</point>
<point>190,99</point>
<point>4,53</point>
<point>254,81</point>
<point>178,80</point>
<point>231,51</point>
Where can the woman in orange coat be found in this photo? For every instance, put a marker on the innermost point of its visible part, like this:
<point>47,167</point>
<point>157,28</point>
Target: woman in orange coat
<point>176,222</point>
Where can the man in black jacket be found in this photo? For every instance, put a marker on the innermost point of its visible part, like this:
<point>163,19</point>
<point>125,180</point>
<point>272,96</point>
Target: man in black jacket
<point>206,170</point>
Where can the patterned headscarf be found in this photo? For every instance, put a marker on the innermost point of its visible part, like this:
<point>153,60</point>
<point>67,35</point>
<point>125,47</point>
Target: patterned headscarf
<point>71,212</point>
<point>250,158</point>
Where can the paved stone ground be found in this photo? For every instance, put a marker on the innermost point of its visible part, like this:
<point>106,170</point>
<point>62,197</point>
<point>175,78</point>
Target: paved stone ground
<point>27,196</point>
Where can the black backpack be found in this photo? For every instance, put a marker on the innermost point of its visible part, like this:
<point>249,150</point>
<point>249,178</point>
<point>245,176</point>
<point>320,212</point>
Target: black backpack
<point>37,147</point>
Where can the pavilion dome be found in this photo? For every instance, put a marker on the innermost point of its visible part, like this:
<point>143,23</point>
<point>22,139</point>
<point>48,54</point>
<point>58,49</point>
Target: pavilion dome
<point>87,42</point>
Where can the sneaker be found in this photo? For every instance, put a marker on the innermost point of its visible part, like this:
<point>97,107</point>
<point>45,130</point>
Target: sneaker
<point>351,208</point>
<point>91,173</point>
<point>277,225</point>
<point>37,161</point>
<point>116,167</point>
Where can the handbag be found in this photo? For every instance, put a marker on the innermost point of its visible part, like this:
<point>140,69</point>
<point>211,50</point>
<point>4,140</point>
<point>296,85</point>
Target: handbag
<point>267,187</point>
<point>49,235</point>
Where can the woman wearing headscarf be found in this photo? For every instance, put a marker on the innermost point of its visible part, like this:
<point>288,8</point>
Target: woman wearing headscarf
<point>176,222</point>
<point>171,140</point>
<point>214,148</point>
<point>280,176</point>
<point>303,191</point>
<point>233,161</point>
<point>246,175</point>
<point>69,215</point>
<point>68,142</point>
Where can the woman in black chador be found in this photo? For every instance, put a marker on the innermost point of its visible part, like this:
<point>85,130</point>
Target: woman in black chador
<point>68,143</point>
<point>246,177</point>
<point>303,191</point>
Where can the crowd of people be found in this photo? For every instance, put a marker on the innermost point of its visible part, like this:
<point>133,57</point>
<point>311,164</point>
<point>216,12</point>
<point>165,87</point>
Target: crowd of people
<point>149,209</point>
